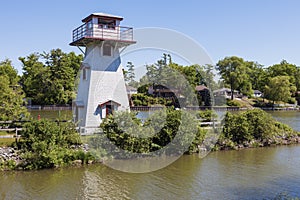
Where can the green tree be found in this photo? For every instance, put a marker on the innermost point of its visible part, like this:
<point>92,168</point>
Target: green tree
<point>283,69</point>
<point>235,72</point>
<point>51,81</point>
<point>35,79</point>
<point>8,70</point>
<point>130,75</point>
<point>208,77</point>
<point>286,69</point>
<point>11,94</point>
<point>297,78</point>
<point>258,75</point>
<point>279,88</point>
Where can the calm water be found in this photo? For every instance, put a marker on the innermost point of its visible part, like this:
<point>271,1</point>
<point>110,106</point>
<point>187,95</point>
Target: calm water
<point>246,174</point>
<point>291,118</point>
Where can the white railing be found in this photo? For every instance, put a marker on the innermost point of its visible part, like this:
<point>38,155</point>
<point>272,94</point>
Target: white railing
<point>103,32</point>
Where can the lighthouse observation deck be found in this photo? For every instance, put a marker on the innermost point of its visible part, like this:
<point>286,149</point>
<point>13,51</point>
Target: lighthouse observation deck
<point>90,32</point>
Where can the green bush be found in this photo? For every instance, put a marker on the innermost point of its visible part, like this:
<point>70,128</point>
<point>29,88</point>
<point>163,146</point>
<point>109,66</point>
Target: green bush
<point>292,100</point>
<point>154,134</point>
<point>233,103</point>
<point>47,144</point>
<point>254,125</point>
<point>207,115</point>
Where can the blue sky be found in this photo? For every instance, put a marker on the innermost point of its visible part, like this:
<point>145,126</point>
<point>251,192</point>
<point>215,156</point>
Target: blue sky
<point>265,31</point>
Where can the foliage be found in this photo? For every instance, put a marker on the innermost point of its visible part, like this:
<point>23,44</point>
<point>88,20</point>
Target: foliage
<point>11,94</point>
<point>233,103</point>
<point>126,134</point>
<point>52,81</point>
<point>129,75</point>
<point>253,125</point>
<point>147,100</point>
<point>47,144</point>
<point>257,75</point>
<point>7,165</point>
<point>181,79</point>
<point>279,88</point>
<point>235,72</point>
<point>207,115</point>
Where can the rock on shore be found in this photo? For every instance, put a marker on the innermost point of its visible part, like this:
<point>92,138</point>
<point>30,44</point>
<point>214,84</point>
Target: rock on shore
<point>9,154</point>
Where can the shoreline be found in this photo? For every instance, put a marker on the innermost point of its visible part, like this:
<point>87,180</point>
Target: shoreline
<point>9,155</point>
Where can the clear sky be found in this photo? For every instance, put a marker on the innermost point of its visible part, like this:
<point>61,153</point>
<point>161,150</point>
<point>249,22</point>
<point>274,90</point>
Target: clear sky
<point>265,31</point>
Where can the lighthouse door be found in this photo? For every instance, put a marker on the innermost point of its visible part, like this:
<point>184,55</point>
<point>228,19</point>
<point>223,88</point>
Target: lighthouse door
<point>108,109</point>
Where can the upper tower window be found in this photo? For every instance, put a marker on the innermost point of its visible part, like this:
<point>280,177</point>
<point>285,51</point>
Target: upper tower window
<point>107,50</point>
<point>107,23</point>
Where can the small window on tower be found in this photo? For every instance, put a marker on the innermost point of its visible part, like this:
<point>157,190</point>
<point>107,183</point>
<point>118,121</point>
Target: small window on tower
<point>84,74</point>
<point>107,50</point>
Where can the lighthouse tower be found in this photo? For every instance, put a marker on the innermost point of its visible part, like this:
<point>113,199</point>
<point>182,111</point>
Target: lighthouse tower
<point>101,89</point>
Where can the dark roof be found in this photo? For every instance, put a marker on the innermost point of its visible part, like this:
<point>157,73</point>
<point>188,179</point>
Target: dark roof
<point>103,15</point>
<point>109,101</point>
<point>201,87</point>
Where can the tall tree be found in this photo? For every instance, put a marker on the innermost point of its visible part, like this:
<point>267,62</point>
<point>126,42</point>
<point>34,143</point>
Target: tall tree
<point>11,94</point>
<point>130,74</point>
<point>209,76</point>
<point>51,81</point>
<point>35,80</point>
<point>279,88</point>
<point>282,69</point>
<point>235,72</point>
<point>258,75</point>
<point>8,70</point>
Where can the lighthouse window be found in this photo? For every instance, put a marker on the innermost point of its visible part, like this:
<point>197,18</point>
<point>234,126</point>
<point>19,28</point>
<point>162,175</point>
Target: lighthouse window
<point>107,24</point>
<point>107,50</point>
<point>84,74</point>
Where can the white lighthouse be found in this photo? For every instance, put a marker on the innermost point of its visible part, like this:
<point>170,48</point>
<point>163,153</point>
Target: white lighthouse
<point>101,89</point>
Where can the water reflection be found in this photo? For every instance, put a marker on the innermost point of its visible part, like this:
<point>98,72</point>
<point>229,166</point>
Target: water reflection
<point>245,174</point>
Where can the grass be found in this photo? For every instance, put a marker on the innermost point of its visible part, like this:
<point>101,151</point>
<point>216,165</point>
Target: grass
<point>7,133</point>
<point>4,142</point>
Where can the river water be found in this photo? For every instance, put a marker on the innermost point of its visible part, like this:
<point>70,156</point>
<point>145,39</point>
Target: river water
<point>259,173</point>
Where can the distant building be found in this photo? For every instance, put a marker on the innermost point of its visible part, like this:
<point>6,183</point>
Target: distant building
<point>167,93</point>
<point>226,92</point>
<point>162,91</point>
<point>204,93</point>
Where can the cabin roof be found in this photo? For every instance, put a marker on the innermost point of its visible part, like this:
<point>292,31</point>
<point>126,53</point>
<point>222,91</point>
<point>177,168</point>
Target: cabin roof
<point>109,102</point>
<point>224,90</point>
<point>201,87</point>
<point>105,15</point>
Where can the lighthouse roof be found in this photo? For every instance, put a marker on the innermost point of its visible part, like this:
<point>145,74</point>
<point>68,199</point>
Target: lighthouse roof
<point>100,14</point>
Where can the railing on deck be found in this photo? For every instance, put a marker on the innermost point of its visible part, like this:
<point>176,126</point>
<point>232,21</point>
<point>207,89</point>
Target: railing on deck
<point>103,32</point>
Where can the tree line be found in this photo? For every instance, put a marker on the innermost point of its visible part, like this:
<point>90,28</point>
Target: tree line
<point>50,78</point>
<point>279,82</point>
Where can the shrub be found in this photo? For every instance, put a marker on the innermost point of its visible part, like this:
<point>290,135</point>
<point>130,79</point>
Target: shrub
<point>233,103</point>
<point>207,115</point>
<point>158,131</point>
<point>47,144</point>
<point>254,125</point>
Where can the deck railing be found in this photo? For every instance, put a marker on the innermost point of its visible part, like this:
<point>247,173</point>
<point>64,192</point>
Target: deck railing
<point>103,32</point>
